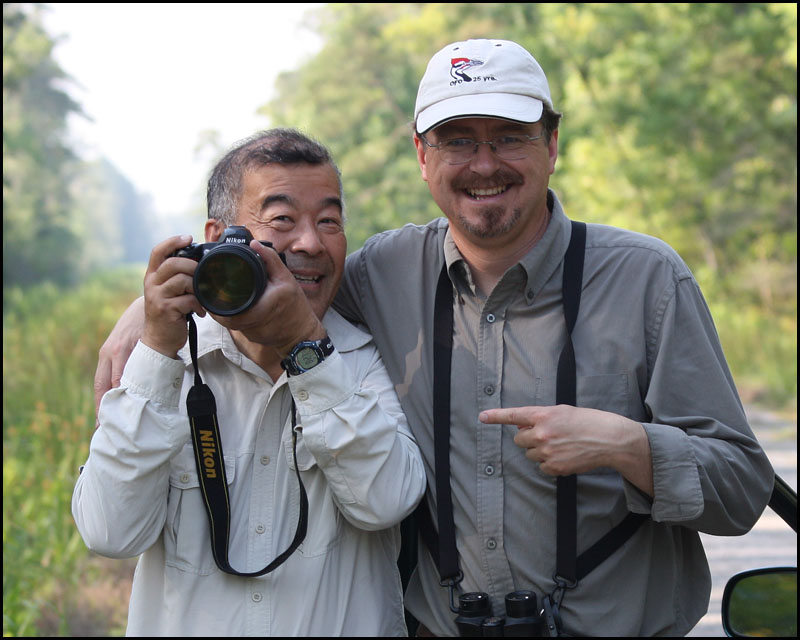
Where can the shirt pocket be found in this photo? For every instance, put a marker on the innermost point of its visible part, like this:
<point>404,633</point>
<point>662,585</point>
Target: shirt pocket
<point>187,537</point>
<point>325,520</point>
<point>606,392</point>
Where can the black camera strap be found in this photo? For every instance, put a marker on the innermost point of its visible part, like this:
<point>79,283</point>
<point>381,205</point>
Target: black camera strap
<point>202,410</point>
<point>570,567</point>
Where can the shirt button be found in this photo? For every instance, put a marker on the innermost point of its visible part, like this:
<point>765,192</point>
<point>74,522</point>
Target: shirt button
<point>256,597</point>
<point>491,543</point>
<point>302,395</point>
<point>488,389</point>
<point>529,295</point>
<point>185,478</point>
<point>176,383</point>
<point>265,460</point>
<point>490,318</point>
<point>260,528</point>
<point>489,469</point>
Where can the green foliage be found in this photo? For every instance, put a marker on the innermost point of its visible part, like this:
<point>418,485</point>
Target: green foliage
<point>680,121</point>
<point>62,217</point>
<point>39,236</point>
<point>51,337</point>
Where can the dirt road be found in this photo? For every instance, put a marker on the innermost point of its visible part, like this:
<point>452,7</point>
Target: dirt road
<point>771,542</point>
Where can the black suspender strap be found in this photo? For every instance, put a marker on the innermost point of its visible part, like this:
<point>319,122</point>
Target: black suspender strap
<point>569,566</point>
<point>447,554</point>
<point>567,393</point>
<point>207,442</point>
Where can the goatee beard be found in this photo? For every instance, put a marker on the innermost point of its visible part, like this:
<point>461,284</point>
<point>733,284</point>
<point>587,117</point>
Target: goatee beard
<point>491,223</point>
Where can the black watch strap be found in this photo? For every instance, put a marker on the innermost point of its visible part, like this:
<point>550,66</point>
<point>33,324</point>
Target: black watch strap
<point>307,355</point>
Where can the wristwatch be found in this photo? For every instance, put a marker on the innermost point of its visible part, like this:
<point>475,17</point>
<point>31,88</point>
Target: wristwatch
<point>307,355</point>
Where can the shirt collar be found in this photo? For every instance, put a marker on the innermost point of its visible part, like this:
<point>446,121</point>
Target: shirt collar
<point>212,336</point>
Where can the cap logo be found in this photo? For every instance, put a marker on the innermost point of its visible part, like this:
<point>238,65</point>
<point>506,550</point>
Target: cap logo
<point>458,67</point>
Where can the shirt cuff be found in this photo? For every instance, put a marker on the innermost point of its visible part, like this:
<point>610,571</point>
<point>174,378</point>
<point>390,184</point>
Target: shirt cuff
<point>319,389</point>
<point>678,496</point>
<point>154,376</point>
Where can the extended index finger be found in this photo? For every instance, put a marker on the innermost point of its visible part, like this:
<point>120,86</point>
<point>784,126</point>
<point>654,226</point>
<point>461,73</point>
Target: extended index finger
<point>271,259</point>
<point>521,416</point>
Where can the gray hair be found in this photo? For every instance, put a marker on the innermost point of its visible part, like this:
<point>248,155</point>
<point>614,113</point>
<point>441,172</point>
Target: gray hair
<point>273,146</point>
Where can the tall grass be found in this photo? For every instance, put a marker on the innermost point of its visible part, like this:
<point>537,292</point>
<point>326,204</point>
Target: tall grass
<point>50,342</point>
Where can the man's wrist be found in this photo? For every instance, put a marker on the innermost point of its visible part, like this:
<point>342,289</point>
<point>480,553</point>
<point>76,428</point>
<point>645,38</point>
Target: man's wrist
<point>156,345</point>
<point>306,355</point>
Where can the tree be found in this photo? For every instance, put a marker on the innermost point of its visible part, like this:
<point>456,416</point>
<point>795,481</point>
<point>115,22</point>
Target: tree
<point>680,121</point>
<point>40,241</point>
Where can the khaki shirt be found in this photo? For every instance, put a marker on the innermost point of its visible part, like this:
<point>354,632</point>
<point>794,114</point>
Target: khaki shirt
<point>646,348</point>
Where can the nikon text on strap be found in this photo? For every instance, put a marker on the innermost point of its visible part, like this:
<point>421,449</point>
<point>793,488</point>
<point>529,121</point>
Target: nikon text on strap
<point>207,443</point>
<point>570,567</point>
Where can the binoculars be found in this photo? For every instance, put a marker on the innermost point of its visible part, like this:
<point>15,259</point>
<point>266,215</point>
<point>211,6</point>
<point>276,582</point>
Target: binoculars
<point>523,618</point>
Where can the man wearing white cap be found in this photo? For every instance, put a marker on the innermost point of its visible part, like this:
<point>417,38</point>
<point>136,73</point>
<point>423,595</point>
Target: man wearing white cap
<point>565,384</point>
<point>657,429</point>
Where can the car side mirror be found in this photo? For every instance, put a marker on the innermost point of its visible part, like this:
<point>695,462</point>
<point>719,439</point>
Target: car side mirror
<point>761,603</point>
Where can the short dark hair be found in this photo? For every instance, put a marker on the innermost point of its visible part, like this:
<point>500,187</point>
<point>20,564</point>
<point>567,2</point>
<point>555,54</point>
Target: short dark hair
<point>273,146</point>
<point>550,120</point>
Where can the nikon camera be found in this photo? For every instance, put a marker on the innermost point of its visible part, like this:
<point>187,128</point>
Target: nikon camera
<point>230,277</point>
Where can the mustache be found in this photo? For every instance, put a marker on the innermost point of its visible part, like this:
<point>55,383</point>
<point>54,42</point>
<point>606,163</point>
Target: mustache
<point>501,178</point>
<point>299,262</point>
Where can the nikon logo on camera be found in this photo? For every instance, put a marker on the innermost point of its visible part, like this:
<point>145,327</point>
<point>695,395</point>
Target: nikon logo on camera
<point>209,448</point>
<point>235,240</point>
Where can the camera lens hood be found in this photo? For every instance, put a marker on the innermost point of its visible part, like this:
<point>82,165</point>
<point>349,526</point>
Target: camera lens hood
<point>229,279</point>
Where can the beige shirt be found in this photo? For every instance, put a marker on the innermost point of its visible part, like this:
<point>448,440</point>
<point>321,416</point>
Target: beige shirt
<point>139,493</point>
<point>646,348</point>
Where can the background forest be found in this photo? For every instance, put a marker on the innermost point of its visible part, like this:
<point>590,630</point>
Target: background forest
<point>680,121</point>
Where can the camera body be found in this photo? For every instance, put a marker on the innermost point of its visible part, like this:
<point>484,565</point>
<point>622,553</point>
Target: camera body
<point>230,277</point>
<point>523,617</point>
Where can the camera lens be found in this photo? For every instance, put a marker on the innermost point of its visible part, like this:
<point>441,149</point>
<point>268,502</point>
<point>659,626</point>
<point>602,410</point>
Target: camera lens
<point>229,279</point>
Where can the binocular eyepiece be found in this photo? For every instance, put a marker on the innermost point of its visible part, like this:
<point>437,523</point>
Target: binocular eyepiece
<point>523,617</point>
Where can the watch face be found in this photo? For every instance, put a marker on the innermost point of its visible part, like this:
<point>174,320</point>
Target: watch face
<point>306,358</point>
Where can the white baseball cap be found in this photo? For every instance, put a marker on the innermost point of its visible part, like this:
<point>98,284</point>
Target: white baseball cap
<point>481,78</point>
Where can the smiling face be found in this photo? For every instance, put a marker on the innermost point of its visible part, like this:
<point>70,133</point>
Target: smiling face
<point>298,208</point>
<point>490,202</point>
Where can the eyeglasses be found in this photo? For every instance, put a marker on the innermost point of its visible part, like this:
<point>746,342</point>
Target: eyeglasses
<point>462,150</point>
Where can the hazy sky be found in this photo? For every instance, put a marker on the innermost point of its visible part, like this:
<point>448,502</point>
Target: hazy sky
<point>154,76</point>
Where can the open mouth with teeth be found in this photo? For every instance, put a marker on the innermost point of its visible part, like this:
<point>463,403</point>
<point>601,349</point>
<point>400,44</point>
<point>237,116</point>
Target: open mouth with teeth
<point>479,194</point>
<point>307,279</point>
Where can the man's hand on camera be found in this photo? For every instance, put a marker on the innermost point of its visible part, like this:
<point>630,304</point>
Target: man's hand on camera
<point>283,316</point>
<point>168,297</point>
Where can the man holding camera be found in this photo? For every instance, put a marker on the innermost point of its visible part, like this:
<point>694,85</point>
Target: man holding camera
<point>299,510</point>
<point>565,383</point>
